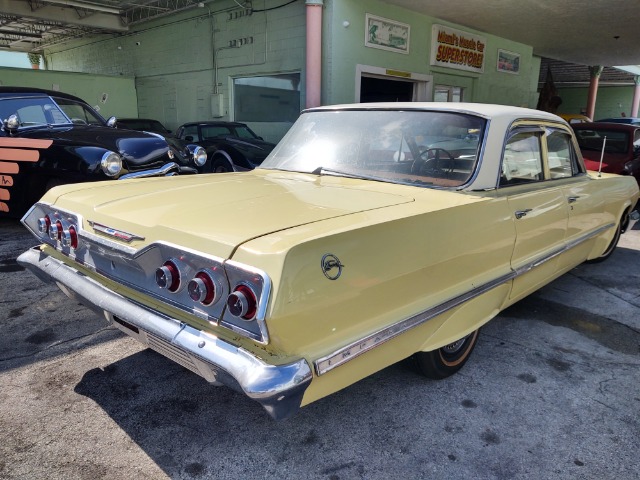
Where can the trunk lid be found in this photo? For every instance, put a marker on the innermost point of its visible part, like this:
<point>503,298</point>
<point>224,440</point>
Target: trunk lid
<point>216,213</point>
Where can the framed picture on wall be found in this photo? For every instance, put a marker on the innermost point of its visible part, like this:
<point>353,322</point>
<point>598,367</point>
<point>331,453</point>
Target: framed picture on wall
<point>386,34</point>
<point>508,62</point>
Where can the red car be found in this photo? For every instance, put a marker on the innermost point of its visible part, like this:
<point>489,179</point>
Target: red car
<point>621,147</point>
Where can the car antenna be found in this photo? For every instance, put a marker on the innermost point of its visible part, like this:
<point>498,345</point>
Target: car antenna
<point>604,143</point>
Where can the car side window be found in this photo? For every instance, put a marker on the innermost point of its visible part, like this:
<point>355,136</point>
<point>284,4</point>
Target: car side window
<point>562,159</point>
<point>522,159</point>
<point>213,132</point>
<point>190,131</point>
<point>31,115</point>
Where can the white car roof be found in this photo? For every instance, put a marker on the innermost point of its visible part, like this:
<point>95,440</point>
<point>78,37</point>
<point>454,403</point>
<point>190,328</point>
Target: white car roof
<point>487,110</point>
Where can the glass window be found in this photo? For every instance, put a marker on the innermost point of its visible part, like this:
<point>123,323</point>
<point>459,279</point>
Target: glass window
<point>190,131</point>
<point>444,93</point>
<point>522,160</point>
<point>215,131</point>
<point>561,156</point>
<point>31,115</point>
<point>245,132</point>
<point>78,113</point>
<point>614,141</point>
<point>272,98</point>
<point>412,147</point>
<point>32,111</point>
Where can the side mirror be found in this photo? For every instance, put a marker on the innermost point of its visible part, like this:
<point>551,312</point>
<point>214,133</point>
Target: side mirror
<point>11,124</point>
<point>111,122</point>
<point>189,138</point>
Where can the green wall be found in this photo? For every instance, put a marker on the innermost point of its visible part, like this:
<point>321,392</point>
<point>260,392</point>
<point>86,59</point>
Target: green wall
<point>121,99</point>
<point>346,48</point>
<point>610,102</point>
<point>172,59</point>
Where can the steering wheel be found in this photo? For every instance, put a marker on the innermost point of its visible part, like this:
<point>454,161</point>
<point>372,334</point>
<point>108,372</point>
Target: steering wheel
<point>430,163</point>
<point>78,121</point>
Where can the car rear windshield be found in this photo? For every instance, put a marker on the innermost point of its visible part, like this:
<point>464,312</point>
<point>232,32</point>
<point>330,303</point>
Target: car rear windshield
<point>614,141</point>
<point>425,148</point>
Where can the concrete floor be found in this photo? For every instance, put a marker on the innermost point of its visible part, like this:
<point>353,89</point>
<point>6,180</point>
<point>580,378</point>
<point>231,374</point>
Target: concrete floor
<point>552,390</point>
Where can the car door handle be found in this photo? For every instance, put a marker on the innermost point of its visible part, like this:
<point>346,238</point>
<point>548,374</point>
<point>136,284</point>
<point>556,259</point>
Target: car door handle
<point>573,199</point>
<point>522,213</point>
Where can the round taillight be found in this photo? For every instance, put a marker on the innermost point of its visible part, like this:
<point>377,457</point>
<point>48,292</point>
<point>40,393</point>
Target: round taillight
<point>43,225</point>
<point>202,288</point>
<point>168,276</point>
<point>55,231</point>
<point>242,303</point>
<point>70,237</point>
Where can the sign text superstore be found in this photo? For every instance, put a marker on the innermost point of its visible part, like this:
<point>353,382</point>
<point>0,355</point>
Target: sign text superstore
<point>454,48</point>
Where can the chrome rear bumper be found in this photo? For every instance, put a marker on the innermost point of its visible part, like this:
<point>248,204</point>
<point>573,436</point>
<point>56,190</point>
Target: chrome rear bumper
<point>278,388</point>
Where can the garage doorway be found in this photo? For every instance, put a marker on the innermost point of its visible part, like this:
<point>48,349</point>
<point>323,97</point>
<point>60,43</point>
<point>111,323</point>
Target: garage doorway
<point>377,84</point>
<point>384,90</point>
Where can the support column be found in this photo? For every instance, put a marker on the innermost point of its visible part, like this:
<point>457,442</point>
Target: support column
<point>636,97</point>
<point>314,53</point>
<point>595,72</point>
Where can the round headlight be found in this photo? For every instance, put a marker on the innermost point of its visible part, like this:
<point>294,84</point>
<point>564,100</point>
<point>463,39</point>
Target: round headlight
<point>198,154</point>
<point>111,164</point>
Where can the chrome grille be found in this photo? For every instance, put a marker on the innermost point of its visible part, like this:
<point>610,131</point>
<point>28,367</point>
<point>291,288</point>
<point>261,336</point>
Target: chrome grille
<point>172,352</point>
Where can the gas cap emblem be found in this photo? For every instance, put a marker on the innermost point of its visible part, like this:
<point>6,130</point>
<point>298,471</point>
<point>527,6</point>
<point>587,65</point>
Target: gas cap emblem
<point>331,266</point>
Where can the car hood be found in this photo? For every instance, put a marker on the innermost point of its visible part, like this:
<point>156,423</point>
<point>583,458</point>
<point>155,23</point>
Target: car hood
<point>136,148</point>
<point>250,143</point>
<point>216,213</point>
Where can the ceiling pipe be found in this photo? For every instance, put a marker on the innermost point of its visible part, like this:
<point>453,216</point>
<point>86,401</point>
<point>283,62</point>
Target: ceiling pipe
<point>19,33</point>
<point>85,6</point>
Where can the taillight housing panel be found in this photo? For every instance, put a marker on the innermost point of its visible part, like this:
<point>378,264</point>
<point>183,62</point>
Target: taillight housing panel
<point>56,228</point>
<point>247,300</point>
<point>194,282</point>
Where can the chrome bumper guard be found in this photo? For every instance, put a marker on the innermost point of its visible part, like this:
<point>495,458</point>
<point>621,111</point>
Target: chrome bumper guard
<point>166,170</point>
<point>278,388</point>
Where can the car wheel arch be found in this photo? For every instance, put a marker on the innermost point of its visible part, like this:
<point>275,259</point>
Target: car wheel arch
<point>220,158</point>
<point>620,228</point>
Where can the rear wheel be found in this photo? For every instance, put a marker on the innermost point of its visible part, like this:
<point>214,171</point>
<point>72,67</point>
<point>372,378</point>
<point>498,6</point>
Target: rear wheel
<point>221,165</point>
<point>447,360</point>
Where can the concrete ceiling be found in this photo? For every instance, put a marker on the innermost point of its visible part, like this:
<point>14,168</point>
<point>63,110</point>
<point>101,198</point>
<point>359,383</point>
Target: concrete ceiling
<point>584,32</point>
<point>32,25</point>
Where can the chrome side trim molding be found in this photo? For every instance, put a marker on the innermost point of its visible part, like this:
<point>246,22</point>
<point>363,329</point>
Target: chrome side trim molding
<point>353,350</point>
<point>574,243</point>
<point>357,348</point>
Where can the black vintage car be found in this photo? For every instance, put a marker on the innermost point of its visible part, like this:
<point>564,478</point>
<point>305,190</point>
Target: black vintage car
<point>231,146</point>
<point>50,138</point>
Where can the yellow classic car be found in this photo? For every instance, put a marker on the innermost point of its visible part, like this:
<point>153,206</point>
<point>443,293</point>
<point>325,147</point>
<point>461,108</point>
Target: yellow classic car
<point>371,233</point>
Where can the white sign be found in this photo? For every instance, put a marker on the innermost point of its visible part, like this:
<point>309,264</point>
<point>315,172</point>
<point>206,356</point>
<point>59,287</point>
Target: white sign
<point>454,48</point>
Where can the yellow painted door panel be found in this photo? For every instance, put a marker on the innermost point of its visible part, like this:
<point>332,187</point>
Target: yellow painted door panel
<point>540,216</point>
